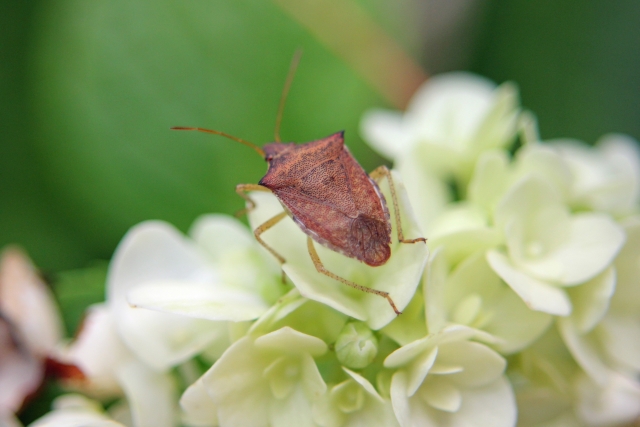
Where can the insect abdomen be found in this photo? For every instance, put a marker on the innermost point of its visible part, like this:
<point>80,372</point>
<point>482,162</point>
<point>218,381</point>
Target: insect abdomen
<point>369,238</point>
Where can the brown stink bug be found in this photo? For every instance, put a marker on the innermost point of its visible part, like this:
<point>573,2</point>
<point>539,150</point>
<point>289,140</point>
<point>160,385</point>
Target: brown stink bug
<point>327,193</point>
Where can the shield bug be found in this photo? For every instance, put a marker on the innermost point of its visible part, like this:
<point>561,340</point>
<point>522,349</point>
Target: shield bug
<point>328,195</point>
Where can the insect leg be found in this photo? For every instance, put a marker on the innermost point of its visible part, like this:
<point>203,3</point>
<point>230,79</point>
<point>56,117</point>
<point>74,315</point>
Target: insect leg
<point>382,172</point>
<point>264,227</point>
<point>241,189</point>
<point>321,269</point>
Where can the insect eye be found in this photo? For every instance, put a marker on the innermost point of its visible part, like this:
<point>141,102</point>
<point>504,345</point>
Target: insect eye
<point>269,157</point>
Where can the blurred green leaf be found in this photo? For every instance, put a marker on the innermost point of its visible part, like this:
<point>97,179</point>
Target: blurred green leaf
<point>577,63</point>
<point>78,289</point>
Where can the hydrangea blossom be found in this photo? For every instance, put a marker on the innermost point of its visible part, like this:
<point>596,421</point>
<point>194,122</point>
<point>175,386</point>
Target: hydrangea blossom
<point>527,311</point>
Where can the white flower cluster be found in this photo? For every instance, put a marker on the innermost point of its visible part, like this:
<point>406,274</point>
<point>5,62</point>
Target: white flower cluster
<point>528,311</point>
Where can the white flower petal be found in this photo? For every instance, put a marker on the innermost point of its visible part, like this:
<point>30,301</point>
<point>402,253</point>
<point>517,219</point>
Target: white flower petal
<point>384,131</point>
<point>450,108</point>
<point>536,294</point>
<point>155,251</point>
<point>591,300</point>
<point>198,407</point>
<point>151,395</point>
<point>98,350</point>
<point>218,234</point>
<point>203,301</point>
<point>237,257</point>
<point>75,410</point>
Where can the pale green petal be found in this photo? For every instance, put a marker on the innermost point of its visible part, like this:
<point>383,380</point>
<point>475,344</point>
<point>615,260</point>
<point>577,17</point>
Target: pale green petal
<point>474,278</point>
<point>592,243</point>
<point>615,403</point>
<point>626,299</point>
<point>354,403</point>
<point>526,197</point>
<point>290,341</point>
<point>492,405</point>
<point>313,384</point>
<point>514,324</point>
<point>441,394</point>
<point>198,408</point>
<point>456,217</point>
<point>434,291</point>
<point>585,350</point>
<point>536,294</point>
<point>198,300</point>
<point>481,365</point>
<point>326,414</point>
<point>407,353</point>
<point>429,194</point>
<point>419,369</point>
<point>490,180</point>
<point>152,396</point>
<point>499,125</point>
<point>591,300</point>
<point>294,410</point>
<point>620,337</point>
<point>411,325</point>
<point>400,401</point>
<point>364,383</point>
<point>237,387</point>
<point>605,177</point>
<point>544,162</point>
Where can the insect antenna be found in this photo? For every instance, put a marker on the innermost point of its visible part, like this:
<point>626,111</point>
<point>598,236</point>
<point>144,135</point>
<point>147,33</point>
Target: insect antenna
<point>285,91</point>
<point>226,135</point>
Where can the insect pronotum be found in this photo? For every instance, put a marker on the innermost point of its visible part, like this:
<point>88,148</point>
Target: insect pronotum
<point>327,193</point>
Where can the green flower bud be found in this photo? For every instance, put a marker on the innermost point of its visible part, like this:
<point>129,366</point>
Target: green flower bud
<point>356,345</point>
